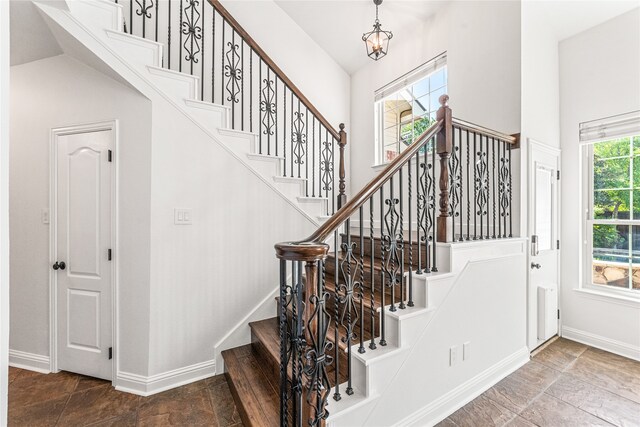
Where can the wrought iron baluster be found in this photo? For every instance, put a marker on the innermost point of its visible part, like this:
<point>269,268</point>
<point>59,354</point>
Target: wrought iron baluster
<point>224,24</point>
<point>306,153</point>
<point>349,288</point>
<point>333,176</point>
<point>468,190</point>
<point>233,72</point>
<point>383,340</point>
<point>292,133</point>
<point>284,129</point>
<point>420,205</point>
<point>201,53</point>
<point>169,35</point>
<point>454,183</point>
<point>361,289</point>
<point>510,196</point>
<point>131,16</point>
<point>241,86</point>
<point>284,332</point>
<point>475,188</point>
<point>262,102</point>
<point>313,158</point>
<point>192,31</point>
<point>400,235</point>
<point>213,56</point>
<point>336,298</point>
<point>372,312</point>
<point>410,302</point>
<point>275,119</point>
<point>298,138</point>
<point>460,182</point>
<point>493,184</point>
<point>434,264</point>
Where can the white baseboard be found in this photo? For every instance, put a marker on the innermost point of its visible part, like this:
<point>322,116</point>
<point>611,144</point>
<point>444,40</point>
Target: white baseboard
<point>603,343</point>
<point>29,361</point>
<point>447,404</point>
<point>146,386</point>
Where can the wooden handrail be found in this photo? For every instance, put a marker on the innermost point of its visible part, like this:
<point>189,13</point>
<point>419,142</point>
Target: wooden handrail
<point>471,127</point>
<point>313,247</point>
<point>271,64</point>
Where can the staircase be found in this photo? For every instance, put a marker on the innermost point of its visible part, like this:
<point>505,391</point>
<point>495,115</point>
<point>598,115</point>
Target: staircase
<point>358,296</point>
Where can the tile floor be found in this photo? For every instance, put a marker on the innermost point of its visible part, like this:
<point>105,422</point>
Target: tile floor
<point>566,384</point>
<point>65,399</point>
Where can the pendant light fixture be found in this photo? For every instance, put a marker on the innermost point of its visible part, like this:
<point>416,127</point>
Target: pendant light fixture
<point>377,41</point>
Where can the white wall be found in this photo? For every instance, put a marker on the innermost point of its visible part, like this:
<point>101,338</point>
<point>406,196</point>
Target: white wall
<point>309,67</point>
<point>4,209</point>
<point>61,91</point>
<point>540,108</point>
<point>599,77</point>
<point>482,40</point>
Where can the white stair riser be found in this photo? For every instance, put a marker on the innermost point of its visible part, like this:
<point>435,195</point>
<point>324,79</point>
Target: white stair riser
<point>240,142</point>
<point>290,188</point>
<point>212,120</point>
<point>266,167</point>
<point>178,86</point>
<point>136,51</point>
<point>314,207</point>
<point>97,13</point>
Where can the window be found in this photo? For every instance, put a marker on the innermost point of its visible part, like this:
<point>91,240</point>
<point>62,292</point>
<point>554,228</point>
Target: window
<point>613,215</point>
<point>407,107</point>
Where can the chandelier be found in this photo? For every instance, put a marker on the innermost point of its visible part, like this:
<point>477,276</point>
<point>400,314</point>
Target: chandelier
<point>377,41</point>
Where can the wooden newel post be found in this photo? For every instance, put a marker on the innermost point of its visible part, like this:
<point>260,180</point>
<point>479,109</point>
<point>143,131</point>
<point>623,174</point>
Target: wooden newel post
<point>444,144</point>
<point>342,197</point>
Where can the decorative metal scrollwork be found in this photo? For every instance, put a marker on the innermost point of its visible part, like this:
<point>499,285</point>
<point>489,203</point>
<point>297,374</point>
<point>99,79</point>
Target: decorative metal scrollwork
<point>392,243</point>
<point>317,358</point>
<point>426,201</point>
<point>299,139</point>
<point>482,184</point>
<point>233,72</point>
<point>326,166</point>
<point>504,187</point>
<point>144,7</point>
<point>348,292</point>
<point>268,107</point>
<point>192,30</point>
<point>455,183</point>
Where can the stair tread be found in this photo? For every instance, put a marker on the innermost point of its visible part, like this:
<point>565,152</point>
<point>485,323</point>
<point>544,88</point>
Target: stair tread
<point>256,398</point>
<point>268,334</point>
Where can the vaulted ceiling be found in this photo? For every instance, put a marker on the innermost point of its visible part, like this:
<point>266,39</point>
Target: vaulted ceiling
<point>337,26</point>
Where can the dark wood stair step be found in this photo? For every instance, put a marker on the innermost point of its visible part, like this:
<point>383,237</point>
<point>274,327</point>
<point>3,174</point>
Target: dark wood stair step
<point>255,396</point>
<point>266,342</point>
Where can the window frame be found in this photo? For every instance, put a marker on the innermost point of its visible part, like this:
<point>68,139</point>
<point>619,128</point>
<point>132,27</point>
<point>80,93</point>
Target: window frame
<point>589,220</point>
<point>424,71</point>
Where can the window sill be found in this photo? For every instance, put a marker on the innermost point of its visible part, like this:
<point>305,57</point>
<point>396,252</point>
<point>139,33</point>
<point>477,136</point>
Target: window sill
<point>613,297</point>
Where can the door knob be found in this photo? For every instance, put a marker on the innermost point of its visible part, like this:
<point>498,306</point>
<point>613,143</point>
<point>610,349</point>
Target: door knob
<point>59,265</point>
<point>535,265</point>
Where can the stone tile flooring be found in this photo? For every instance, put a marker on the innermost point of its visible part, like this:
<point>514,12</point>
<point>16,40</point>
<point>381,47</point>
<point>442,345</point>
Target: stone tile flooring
<point>65,399</point>
<point>565,384</point>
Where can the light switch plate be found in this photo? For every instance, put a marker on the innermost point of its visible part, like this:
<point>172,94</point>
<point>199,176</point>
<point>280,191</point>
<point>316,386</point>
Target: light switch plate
<point>45,215</point>
<point>182,216</point>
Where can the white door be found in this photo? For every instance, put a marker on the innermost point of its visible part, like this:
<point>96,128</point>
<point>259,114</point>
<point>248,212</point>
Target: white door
<point>82,252</point>
<point>543,289</point>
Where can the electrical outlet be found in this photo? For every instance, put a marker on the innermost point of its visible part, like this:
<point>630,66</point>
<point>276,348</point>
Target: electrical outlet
<point>466,351</point>
<point>453,355</point>
<point>182,216</point>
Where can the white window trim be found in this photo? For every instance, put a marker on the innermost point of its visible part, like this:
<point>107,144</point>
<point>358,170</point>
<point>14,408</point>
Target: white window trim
<point>622,126</point>
<point>398,84</point>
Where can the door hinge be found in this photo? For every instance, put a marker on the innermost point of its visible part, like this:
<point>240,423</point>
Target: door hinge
<point>110,156</point>
<point>558,174</point>
<point>110,353</point>
<point>557,244</point>
<point>558,314</point>
<point>109,254</point>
